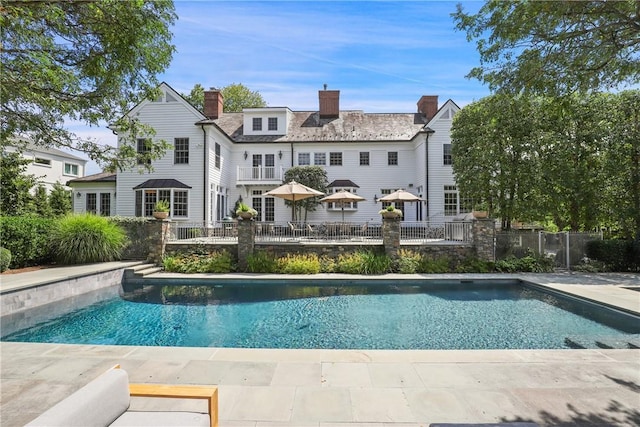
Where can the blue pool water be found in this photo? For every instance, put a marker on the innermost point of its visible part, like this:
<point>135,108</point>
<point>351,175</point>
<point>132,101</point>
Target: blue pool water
<point>376,316</point>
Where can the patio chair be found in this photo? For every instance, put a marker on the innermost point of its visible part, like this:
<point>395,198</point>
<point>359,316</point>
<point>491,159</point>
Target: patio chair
<point>362,232</point>
<point>105,402</point>
<point>296,230</point>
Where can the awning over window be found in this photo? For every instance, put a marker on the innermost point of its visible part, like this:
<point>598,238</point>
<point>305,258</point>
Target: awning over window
<point>161,183</point>
<point>343,183</point>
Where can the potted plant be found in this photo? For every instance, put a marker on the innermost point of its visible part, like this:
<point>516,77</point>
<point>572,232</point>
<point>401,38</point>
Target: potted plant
<point>480,210</point>
<point>245,211</point>
<point>161,209</point>
<point>391,212</point>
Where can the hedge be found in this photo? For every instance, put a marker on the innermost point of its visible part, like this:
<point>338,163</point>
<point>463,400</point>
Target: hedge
<point>27,237</point>
<point>617,255</point>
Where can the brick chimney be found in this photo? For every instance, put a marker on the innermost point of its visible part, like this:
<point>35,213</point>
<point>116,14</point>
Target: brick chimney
<point>329,103</point>
<point>428,106</point>
<point>213,103</point>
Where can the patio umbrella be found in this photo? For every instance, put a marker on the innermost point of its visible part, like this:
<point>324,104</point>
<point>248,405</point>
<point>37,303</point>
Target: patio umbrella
<point>293,191</point>
<point>342,197</point>
<point>400,196</point>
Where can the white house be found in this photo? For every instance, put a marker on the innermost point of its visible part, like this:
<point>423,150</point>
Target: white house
<point>50,165</point>
<point>218,158</point>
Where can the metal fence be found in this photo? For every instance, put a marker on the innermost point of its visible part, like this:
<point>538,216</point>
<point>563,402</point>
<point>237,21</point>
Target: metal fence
<point>371,232</point>
<point>565,248</point>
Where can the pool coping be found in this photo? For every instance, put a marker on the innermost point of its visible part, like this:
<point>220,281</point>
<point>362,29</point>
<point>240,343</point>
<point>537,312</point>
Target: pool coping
<point>357,388</point>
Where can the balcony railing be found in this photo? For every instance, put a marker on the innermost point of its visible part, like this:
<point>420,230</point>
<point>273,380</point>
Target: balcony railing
<point>260,174</point>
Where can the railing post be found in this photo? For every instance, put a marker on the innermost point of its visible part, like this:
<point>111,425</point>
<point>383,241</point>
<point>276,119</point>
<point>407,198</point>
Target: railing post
<point>391,236</point>
<point>484,239</point>
<point>246,241</point>
<point>158,235</point>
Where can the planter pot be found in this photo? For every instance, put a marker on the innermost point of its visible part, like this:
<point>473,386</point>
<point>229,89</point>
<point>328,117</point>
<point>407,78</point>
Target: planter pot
<point>161,215</point>
<point>245,215</point>
<point>390,214</point>
<point>480,214</point>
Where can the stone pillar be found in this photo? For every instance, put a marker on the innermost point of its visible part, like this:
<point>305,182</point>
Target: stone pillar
<point>484,239</point>
<point>158,235</point>
<point>391,236</point>
<point>246,241</point>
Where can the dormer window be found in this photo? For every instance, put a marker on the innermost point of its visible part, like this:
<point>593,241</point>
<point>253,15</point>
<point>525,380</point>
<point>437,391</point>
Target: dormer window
<point>257,123</point>
<point>272,123</point>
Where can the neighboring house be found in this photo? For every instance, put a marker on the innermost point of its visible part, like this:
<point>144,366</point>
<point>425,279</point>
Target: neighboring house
<point>50,165</point>
<point>94,194</point>
<point>220,157</point>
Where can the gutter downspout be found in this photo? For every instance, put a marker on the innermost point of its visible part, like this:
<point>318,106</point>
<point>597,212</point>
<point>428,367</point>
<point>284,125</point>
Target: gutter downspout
<point>429,131</point>
<point>205,184</point>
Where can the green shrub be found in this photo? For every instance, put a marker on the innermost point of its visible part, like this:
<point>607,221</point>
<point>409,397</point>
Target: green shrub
<point>434,265</point>
<point>27,238</point>
<point>531,263</point>
<point>199,262</point>
<point>617,255</point>
<point>5,259</point>
<point>327,264</point>
<point>262,262</point>
<point>474,265</point>
<point>299,264</point>
<point>80,239</point>
<point>364,262</point>
<point>407,262</point>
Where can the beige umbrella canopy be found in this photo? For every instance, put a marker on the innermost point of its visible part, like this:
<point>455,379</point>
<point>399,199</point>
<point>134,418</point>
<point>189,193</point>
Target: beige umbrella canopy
<point>293,191</point>
<point>342,197</point>
<point>400,196</point>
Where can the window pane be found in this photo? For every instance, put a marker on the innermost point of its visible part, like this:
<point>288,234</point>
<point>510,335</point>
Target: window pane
<point>181,151</point>
<point>269,209</point>
<point>304,159</point>
<point>257,123</point>
<point>70,169</point>
<point>150,198</point>
<point>138,203</point>
<point>392,158</point>
<point>217,156</point>
<point>450,200</point>
<point>272,123</point>
<point>319,159</point>
<point>91,203</point>
<point>105,204</point>
<point>335,159</point>
<point>144,147</point>
<point>180,198</point>
<point>364,158</point>
<point>446,150</point>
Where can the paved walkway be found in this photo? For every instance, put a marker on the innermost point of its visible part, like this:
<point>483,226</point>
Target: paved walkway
<point>351,388</point>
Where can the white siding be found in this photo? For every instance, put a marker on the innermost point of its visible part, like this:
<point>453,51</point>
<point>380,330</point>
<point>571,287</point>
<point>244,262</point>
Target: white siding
<point>48,175</point>
<point>439,174</point>
<point>169,120</point>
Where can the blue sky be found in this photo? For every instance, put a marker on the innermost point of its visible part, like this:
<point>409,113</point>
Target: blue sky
<point>382,56</point>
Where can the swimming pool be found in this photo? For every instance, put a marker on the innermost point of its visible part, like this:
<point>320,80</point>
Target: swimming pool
<point>375,315</point>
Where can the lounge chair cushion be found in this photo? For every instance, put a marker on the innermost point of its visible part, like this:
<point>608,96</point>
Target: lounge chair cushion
<point>154,419</point>
<point>107,397</point>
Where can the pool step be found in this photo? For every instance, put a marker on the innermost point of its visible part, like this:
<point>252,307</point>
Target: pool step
<point>141,270</point>
<point>602,342</point>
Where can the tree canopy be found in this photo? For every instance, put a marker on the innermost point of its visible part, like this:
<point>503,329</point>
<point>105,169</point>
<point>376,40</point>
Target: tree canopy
<point>572,161</point>
<point>312,176</point>
<point>236,97</point>
<point>86,61</point>
<point>554,47</point>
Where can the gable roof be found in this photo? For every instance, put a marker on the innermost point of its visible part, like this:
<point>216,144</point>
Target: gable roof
<point>350,126</point>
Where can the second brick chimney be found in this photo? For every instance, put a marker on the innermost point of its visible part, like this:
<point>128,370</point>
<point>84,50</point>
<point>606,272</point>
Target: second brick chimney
<point>329,103</point>
<point>428,106</point>
<point>213,103</point>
